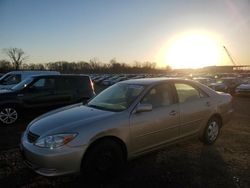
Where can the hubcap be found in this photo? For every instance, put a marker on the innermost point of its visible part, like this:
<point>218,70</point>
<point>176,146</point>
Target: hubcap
<point>213,131</point>
<point>8,115</point>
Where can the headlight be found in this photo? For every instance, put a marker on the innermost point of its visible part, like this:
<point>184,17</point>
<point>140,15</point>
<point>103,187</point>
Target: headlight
<point>54,141</point>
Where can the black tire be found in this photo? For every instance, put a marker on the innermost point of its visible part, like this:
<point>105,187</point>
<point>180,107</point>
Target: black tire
<point>212,131</point>
<point>103,160</point>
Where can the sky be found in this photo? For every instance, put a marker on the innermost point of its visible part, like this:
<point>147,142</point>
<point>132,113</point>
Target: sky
<point>127,30</point>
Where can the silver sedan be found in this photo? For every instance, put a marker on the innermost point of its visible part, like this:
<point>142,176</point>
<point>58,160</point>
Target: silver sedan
<point>124,121</point>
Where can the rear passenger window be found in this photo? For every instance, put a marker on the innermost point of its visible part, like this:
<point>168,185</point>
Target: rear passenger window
<point>187,92</point>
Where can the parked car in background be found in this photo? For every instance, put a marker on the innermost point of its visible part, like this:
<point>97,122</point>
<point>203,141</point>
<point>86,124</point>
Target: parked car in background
<point>124,121</point>
<point>101,78</point>
<point>244,88</point>
<point>43,91</point>
<point>12,78</point>
<point>204,80</point>
<point>119,79</point>
<point>232,83</point>
<point>219,86</point>
<point>226,84</point>
<point>108,81</point>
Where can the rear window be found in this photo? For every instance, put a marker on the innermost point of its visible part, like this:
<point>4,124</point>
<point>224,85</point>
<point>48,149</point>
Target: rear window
<point>83,82</point>
<point>78,82</point>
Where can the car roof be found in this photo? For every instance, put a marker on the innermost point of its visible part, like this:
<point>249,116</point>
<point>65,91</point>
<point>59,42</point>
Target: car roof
<point>150,81</point>
<point>59,75</point>
<point>33,72</point>
<point>153,81</point>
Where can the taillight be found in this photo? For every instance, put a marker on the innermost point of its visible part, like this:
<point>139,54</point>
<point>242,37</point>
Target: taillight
<point>92,84</point>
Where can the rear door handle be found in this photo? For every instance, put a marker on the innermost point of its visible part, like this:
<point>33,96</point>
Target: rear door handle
<point>172,113</point>
<point>208,104</point>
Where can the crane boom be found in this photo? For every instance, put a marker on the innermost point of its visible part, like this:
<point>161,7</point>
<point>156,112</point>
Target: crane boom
<point>228,54</point>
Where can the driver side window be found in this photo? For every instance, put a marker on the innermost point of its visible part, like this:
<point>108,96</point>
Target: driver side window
<point>44,83</point>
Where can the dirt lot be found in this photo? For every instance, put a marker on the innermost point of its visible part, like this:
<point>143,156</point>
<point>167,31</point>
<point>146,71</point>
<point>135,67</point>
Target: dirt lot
<point>189,164</point>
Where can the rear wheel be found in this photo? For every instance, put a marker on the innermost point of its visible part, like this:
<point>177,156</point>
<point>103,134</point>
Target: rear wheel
<point>103,160</point>
<point>212,130</point>
<point>9,115</point>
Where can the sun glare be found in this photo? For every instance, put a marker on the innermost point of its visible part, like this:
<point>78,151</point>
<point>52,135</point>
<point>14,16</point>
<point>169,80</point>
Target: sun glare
<point>192,51</point>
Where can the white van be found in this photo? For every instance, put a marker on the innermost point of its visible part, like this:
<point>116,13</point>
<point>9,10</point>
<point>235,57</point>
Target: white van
<point>12,78</point>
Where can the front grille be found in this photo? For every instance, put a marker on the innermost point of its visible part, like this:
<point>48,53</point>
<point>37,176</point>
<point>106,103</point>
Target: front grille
<point>32,137</point>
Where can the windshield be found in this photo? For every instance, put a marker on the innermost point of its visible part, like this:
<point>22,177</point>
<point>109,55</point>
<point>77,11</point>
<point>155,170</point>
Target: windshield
<point>117,97</point>
<point>22,84</point>
<point>4,77</point>
<point>10,79</point>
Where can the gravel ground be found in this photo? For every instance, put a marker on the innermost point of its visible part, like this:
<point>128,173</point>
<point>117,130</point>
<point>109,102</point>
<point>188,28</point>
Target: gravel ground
<point>188,164</point>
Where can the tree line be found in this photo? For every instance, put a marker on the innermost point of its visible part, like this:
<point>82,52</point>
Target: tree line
<point>17,62</point>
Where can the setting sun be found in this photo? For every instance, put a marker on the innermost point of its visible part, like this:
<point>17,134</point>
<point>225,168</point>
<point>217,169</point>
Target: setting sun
<point>192,51</point>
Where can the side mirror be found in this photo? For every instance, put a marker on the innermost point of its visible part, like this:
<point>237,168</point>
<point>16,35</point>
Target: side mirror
<point>143,108</point>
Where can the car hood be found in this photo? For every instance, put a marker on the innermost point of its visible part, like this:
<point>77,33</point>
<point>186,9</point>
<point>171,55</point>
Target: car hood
<point>5,91</point>
<point>66,119</point>
<point>6,86</point>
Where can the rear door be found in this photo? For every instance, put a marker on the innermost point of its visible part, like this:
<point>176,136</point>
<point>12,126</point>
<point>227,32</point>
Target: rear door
<point>156,127</point>
<point>41,93</point>
<point>194,107</point>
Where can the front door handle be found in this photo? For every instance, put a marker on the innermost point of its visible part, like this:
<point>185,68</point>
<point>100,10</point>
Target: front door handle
<point>208,104</point>
<point>172,113</point>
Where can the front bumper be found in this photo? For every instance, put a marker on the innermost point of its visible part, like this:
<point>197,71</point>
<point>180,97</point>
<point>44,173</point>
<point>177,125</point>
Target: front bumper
<point>55,162</point>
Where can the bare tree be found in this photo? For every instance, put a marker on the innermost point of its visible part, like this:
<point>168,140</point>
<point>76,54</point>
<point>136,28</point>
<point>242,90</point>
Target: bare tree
<point>16,55</point>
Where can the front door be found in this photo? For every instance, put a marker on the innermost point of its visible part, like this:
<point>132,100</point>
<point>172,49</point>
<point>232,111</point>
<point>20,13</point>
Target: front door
<point>156,127</point>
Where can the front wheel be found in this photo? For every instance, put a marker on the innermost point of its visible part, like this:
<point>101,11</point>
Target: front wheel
<point>8,115</point>
<point>212,131</point>
<point>103,160</point>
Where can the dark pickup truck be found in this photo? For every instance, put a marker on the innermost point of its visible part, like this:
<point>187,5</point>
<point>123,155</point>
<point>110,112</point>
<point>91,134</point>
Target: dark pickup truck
<point>43,92</point>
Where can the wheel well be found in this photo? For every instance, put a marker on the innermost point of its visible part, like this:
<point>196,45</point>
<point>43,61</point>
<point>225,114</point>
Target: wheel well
<point>114,139</point>
<point>217,116</point>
